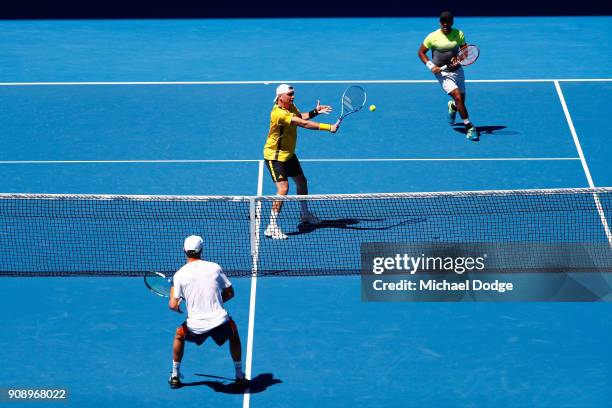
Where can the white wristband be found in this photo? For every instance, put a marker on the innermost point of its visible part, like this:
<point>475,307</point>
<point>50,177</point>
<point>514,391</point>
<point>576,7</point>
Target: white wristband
<point>430,65</point>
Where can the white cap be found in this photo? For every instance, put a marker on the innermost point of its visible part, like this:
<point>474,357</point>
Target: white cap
<point>193,243</point>
<point>282,89</point>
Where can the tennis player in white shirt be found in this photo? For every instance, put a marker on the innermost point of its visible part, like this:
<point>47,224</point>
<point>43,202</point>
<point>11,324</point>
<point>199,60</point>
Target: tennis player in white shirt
<point>204,287</point>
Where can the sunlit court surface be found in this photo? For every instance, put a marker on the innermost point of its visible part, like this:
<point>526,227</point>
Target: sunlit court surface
<point>182,108</point>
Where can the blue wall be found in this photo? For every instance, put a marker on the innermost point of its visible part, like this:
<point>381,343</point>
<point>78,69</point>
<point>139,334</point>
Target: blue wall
<point>305,8</point>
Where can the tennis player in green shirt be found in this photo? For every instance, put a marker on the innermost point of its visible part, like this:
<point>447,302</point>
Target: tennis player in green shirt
<point>445,44</point>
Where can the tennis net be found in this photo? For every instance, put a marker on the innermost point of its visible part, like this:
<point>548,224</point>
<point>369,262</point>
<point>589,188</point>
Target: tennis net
<point>59,235</point>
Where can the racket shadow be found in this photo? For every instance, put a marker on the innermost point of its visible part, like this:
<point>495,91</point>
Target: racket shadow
<point>351,224</point>
<point>496,130</point>
<point>258,384</point>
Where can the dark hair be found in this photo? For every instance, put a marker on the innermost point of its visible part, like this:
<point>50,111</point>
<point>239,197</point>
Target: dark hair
<point>446,16</point>
<point>193,254</point>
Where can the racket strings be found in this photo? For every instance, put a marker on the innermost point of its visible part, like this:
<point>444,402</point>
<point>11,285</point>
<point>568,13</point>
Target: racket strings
<point>353,99</point>
<point>468,55</point>
<point>347,102</point>
<point>159,285</point>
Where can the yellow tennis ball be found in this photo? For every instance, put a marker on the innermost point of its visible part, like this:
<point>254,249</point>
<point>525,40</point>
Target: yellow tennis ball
<point>372,108</point>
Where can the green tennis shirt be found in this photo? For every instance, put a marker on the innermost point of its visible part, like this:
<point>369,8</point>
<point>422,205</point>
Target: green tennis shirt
<point>444,47</point>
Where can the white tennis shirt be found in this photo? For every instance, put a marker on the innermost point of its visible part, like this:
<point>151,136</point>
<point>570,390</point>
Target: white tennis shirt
<point>200,283</point>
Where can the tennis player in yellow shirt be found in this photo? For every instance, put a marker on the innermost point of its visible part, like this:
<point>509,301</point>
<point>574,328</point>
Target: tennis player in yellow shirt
<point>445,44</point>
<point>279,152</point>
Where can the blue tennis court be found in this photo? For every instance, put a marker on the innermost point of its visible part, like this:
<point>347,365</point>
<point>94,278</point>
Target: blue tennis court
<point>181,107</point>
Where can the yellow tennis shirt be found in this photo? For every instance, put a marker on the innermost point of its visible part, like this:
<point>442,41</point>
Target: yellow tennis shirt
<point>282,137</point>
<point>444,47</point>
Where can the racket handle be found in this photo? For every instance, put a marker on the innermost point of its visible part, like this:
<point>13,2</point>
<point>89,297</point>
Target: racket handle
<point>443,67</point>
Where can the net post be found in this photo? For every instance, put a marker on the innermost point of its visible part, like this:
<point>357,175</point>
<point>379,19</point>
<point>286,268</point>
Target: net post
<point>255,222</point>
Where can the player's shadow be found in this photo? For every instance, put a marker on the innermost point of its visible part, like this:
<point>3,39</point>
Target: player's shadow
<point>494,130</point>
<point>352,224</point>
<point>229,386</point>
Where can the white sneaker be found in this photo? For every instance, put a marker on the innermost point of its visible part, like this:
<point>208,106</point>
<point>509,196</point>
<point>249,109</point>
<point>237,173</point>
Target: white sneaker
<point>310,218</point>
<point>274,232</point>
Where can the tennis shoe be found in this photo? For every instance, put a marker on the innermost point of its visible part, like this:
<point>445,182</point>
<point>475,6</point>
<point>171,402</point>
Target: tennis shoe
<point>175,382</point>
<point>452,112</point>
<point>242,381</point>
<point>274,232</point>
<point>472,134</point>
<point>310,218</point>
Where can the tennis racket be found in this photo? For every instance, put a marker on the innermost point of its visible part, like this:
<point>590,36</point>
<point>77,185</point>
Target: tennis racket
<point>467,56</point>
<point>353,99</point>
<point>158,283</point>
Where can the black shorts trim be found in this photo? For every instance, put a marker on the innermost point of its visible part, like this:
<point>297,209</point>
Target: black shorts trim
<point>281,171</point>
<point>219,334</point>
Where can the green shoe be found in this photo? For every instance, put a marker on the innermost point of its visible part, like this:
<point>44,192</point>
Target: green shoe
<point>472,134</point>
<point>452,112</point>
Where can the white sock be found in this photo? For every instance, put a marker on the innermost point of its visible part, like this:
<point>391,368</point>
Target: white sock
<point>273,217</point>
<point>238,367</point>
<point>466,121</point>
<point>176,368</point>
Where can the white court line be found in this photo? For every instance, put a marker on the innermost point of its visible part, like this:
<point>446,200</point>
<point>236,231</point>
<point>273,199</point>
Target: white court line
<point>357,160</point>
<point>255,248</point>
<point>125,161</point>
<point>445,159</point>
<point>352,81</point>
<point>585,167</point>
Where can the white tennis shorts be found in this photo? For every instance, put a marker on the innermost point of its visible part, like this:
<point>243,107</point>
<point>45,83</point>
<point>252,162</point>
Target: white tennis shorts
<point>449,81</point>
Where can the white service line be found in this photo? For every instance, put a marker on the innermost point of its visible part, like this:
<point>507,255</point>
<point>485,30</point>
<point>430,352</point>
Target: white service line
<point>444,159</point>
<point>126,161</point>
<point>585,167</point>
<point>352,81</point>
<point>357,160</point>
<point>251,331</point>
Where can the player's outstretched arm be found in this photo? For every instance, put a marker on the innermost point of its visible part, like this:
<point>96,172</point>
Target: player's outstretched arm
<point>309,124</point>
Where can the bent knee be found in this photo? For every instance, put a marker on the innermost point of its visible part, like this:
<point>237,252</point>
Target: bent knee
<point>282,188</point>
<point>180,333</point>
